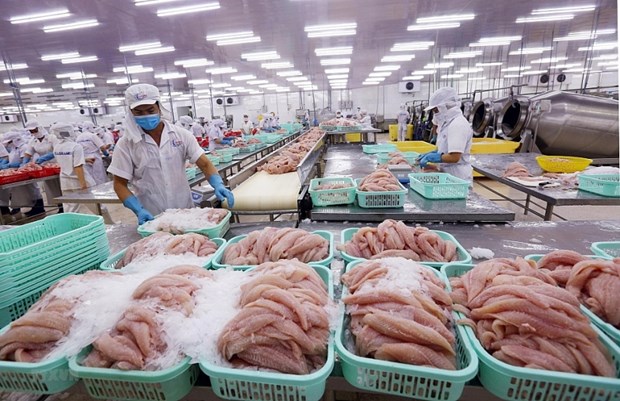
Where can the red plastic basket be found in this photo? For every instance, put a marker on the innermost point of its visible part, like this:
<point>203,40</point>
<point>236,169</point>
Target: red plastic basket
<point>15,177</point>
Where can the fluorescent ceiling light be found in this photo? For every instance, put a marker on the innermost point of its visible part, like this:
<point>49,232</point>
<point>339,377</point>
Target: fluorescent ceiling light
<point>77,85</point>
<point>166,12</point>
<point>534,72</point>
<point>59,56</point>
<point>339,81</point>
<point>334,51</point>
<point>170,75</point>
<point>75,75</point>
<point>491,64</point>
<point>83,59</point>
<point>228,42</point>
<point>516,68</point>
<point>118,81</point>
<point>470,70</point>
<point>391,59</point>
<point>408,46</point>
<point>277,65</point>
<point>424,27</point>
<point>152,2</point>
<point>614,68</point>
<point>296,79</point>
<point>500,39</point>
<point>342,76</point>
<point>606,57</point>
<point>424,72</point>
<point>432,66</point>
<point>233,35</point>
<point>330,27</point>
<point>72,25</point>
<point>221,70</point>
<point>336,61</point>
<point>37,90</point>
<point>25,81</point>
<point>512,76</point>
<point>115,99</point>
<point>202,91</point>
<point>489,44</point>
<point>577,70</point>
<point>469,54</point>
<point>165,49</point>
<point>546,18</point>
<point>268,86</point>
<point>377,74</point>
<point>446,18</point>
<point>413,78</point>
<point>194,62</point>
<point>476,78</point>
<point>283,89</point>
<point>22,19</point>
<point>574,9</point>
<point>337,71</point>
<point>569,65</point>
<point>548,60</point>
<point>370,83</point>
<point>243,77</point>
<point>607,63</point>
<point>325,34</point>
<point>138,46</point>
<point>133,69</point>
<point>600,46</point>
<point>221,85</point>
<point>259,56</point>
<point>257,82</point>
<point>530,50</point>
<point>374,80</point>
<point>389,67</point>
<point>289,73</point>
<point>13,67</point>
<point>452,76</point>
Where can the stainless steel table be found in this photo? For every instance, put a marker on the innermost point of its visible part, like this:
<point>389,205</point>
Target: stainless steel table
<point>333,136</point>
<point>26,182</point>
<point>348,160</point>
<point>493,167</point>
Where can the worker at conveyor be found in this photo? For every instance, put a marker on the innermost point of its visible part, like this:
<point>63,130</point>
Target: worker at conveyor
<point>152,156</point>
<point>365,120</point>
<point>454,135</point>
<point>246,126</point>
<point>402,117</point>
<point>216,135</point>
<point>94,148</point>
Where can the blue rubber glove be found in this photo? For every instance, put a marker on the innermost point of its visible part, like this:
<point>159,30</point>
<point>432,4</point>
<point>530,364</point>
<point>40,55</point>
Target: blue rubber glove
<point>221,191</point>
<point>227,141</point>
<point>4,164</point>
<point>430,157</point>
<point>44,158</point>
<point>132,203</point>
<point>25,160</point>
<point>14,165</point>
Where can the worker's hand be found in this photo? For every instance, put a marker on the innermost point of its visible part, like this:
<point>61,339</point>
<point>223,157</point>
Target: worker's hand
<point>221,192</point>
<point>227,141</point>
<point>423,159</point>
<point>44,158</point>
<point>89,160</point>
<point>4,165</point>
<point>14,165</point>
<point>132,203</point>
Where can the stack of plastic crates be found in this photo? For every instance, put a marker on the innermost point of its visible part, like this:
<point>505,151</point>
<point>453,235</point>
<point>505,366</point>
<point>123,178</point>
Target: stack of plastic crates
<point>36,255</point>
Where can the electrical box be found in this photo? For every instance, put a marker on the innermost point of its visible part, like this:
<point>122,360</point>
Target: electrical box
<point>409,86</point>
<point>10,118</point>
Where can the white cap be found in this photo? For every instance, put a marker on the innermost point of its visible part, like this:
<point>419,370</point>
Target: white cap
<point>445,95</point>
<point>139,94</point>
<point>88,126</point>
<point>364,112</point>
<point>187,120</point>
<point>118,127</point>
<point>32,124</point>
<point>67,130</point>
<point>11,136</point>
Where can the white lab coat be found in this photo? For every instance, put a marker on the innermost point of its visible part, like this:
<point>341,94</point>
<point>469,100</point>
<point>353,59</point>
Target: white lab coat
<point>198,131</point>
<point>157,173</point>
<point>246,127</point>
<point>92,150</point>
<point>213,134</point>
<point>69,155</point>
<point>107,138</point>
<point>40,147</point>
<point>23,195</point>
<point>366,121</point>
<point>402,117</point>
<point>455,135</point>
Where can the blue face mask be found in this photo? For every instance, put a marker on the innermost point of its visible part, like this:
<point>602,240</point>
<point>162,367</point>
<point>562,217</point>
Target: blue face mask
<point>148,122</point>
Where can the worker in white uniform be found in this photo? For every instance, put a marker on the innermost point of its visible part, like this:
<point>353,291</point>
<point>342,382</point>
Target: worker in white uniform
<point>4,193</point>
<point>338,114</point>
<point>365,119</point>
<point>216,135</point>
<point>40,149</point>
<point>402,117</point>
<point>73,176</point>
<point>454,135</point>
<point>358,114</point>
<point>246,126</point>
<point>106,136</point>
<point>152,156</point>
<point>266,124</point>
<point>185,122</point>
<point>93,150</point>
<point>198,131</point>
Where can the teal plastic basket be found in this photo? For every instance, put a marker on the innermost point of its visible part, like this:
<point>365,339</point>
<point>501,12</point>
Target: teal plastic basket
<point>383,158</point>
<point>217,231</point>
<point>112,261</point>
<point>380,148</point>
<point>600,184</point>
<point>114,384</point>
<point>244,384</point>
<point>231,151</point>
<point>248,149</point>
<point>610,249</point>
<point>214,159</point>
<point>463,255</point>
<point>47,377</point>
<point>418,382</point>
<point>380,199</point>
<point>224,157</point>
<point>439,185</point>
<point>327,197</point>
<point>523,384</point>
<point>191,172</point>
<point>217,260</point>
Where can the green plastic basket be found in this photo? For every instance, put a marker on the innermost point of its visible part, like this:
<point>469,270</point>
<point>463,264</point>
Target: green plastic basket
<point>438,185</point>
<point>217,231</point>
<point>326,197</point>
<point>523,384</point>
<point>419,382</point>
<point>463,255</point>
<point>231,151</point>
<point>380,148</point>
<point>383,158</point>
<point>245,385</point>
<point>610,249</point>
<point>600,184</point>
<point>224,157</point>
<point>214,159</point>
<point>248,149</point>
<point>112,261</point>
<point>114,384</point>
<point>217,259</point>
<point>269,138</point>
<point>380,199</point>
<point>47,377</point>
<point>191,172</point>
